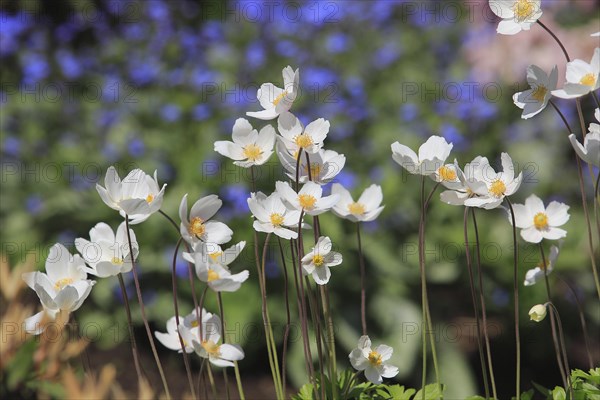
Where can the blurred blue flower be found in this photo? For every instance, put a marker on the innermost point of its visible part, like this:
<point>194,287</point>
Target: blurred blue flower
<point>319,76</point>
<point>340,131</point>
<point>35,68</point>
<point>181,266</point>
<point>157,10</point>
<point>453,135</point>
<point>65,32</point>
<point>441,107</point>
<point>346,178</point>
<point>201,112</point>
<point>287,48</point>
<point>255,54</point>
<point>11,27</point>
<point>110,152</point>
<point>143,71</point>
<point>376,174</point>
<point>11,146</point>
<point>236,196</point>
<point>136,147</point>
<point>69,65</point>
<point>66,237</point>
<point>337,42</point>
<point>409,112</point>
<point>272,269</point>
<point>170,112</point>
<point>386,55</point>
<point>106,117</point>
<point>500,297</point>
<point>81,183</point>
<point>34,204</point>
<point>355,86</point>
<point>201,77</point>
<point>212,31</point>
<point>135,31</point>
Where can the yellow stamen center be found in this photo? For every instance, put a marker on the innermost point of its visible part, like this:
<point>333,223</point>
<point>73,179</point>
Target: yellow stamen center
<point>318,260</point>
<point>356,208</point>
<point>252,152</point>
<point>211,348</point>
<point>588,80</point>
<point>197,226</point>
<point>307,201</point>
<point>277,219</point>
<point>303,140</point>
<point>542,266</point>
<point>278,98</point>
<point>214,256</point>
<point>446,173</point>
<point>539,93</point>
<point>523,9</point>
<point>375,358</point>
<point>149,198</point>
<point>61,283</point>
<point>540,221</point>
<point>194,323</point>
<point>497,188</point>
<point>212,275</point>
<point>315,170</point>
<point>116,261</point>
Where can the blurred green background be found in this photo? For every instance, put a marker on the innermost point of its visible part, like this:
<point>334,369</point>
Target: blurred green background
<point>152,84</point>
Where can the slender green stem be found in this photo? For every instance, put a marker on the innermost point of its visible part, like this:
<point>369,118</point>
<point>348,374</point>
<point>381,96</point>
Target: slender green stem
<point>363,295</point>
<point>486,335</point>
<point>288,314</point>
<point>211,380</point>
<point>423,288</point>
<point>564,348</point>
<point>331,339</point>
<point>226,340</point>
<point>475,306</point>
<point>134,350</point>
<point>562,47</point>
<point>516,300</point>
<point>143,312</point>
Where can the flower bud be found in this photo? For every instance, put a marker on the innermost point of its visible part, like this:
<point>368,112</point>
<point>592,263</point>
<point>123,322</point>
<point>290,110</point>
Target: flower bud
<point>537,312</point>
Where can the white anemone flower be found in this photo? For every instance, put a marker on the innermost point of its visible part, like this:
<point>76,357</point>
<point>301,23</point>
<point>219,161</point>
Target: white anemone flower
<point>538,222</point>
<point>64,286</point>
<point>448,176</point>
<point>137,196</point>
<point>366,208</point>
<point>249,147</point>
<point>454,179</point>
<point>536,274</point>
<point>582,77</point>
<point>590,150</point>
<point>324,165</point>
<point>309,199</point>
<point>489,187</point>
<point>432,155</point>
<point>214,254</point>
<point>107,253</point>
<point>197,228</point>
<point>517,15</point>
<point>220,355</point>
<point>534,100</point>
<point>373,361</point>
<point>320,259</point>
<point>295,136</point>
<point>36,324</point>
<point>188,328</point>
<point>218,277</point>
<point>272,216</point>
<point>275,100</point>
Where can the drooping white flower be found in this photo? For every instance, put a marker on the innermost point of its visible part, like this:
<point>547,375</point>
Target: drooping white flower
<point>366,208</point>
<point>220,355</point>
<point>170,339</point>
<point>320,259</point>
<point>373,361</point>
<point>107,253</point>
<point>534,100</point>
<point>309,199</point>
<point>196,227</point>
<point>590,150</point>
<point>36,324</point>
<point>295,136</point>
<point>538,222</point>
<point>582,77</point>
<point>538,312</point>
<point>489,187</point>
<point>64,286</point>
<point>517,15</point>
<point>138,195</point>
<point>214,274</point>
<point>432,155</point>
<point>324,165</point>
<point>249,147</point>
<point>533,275</point>
<point>272,216</point>
<point>275,100</point>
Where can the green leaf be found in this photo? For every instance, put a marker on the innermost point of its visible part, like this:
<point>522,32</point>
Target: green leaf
<point>305,393</point>
<point>432,392</point>
<point>398,392</point>
<point>559,393</point>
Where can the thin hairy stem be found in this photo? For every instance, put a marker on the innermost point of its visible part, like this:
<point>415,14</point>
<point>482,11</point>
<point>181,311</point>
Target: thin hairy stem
<point>564,348</point>
<point>516,300</point>
<point>363,296</point>
<point>143,312</point>
<point>226,340</point>
<point>330,339</point>
<point>562,47</point>
<point>288,321</point>
<point>134,350</point>
<point>423,289</point>
<point>211,380</point>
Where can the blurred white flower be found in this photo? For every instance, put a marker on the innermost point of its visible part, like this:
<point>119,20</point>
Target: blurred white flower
<point>320,259</point>
<point>534,100</point>
<point>272,216</point>
<point>590,151</point>
<point>220,355</point>
<point>533,275</point>
<point>64,286</point>
<point>275,100</point>
<point>324,165</point>
<point>517,15</point>
<point>196,227</point>
<point>488,186</point>
<point>538,312</point>
<point>373,361</point>
<point>538,222</point>
<point>366,208</point>
<point>107,253</point>
<point>432,155</point>
<point>295,136</point>
<point>582,77</point>
<point>249,147</point>
<point>36,324</point>
<point>138,195</point>
<point>214,274</point>
<point>309,198</point>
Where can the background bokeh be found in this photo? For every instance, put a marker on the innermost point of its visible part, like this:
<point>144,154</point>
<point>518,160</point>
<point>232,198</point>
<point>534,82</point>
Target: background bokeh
<point>152,84</point>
